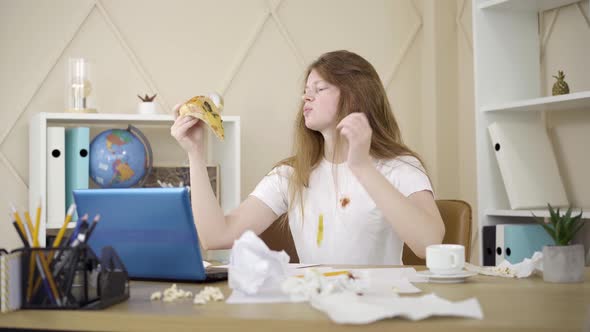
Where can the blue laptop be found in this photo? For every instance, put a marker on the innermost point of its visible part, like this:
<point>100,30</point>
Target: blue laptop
<point>151,229</point>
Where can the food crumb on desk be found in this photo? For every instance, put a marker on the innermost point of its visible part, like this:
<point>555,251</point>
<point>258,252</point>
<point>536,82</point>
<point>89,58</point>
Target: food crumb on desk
<point>156,296</point>
<point>171,294</point>
<point>174,293</point>
<point>208,294</point>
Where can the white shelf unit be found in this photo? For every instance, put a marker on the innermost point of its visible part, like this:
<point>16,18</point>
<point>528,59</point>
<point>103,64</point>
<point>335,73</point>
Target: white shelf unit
<point>569,102</point>
<point>507,80</point>
<point>527,5</point>
<point>226,153</point>
<point>529,213</point>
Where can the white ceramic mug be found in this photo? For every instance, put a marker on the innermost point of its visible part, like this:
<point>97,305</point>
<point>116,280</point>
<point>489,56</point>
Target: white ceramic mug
<point>445,258</point>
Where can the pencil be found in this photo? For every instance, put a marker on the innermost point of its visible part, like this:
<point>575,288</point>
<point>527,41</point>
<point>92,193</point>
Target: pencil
<point>19,221</point>
<point>335,273</point>
<point>57,241</point>
<point>38,220</point>
<point>92,227</point>
<point>21,235</point>
<point>28,226</point>
<point>329,274</point>
<point>41,265</point>
<point>77,228</point>
<point>29,223</point>
<point>46,274</point>
<point>63,228</point>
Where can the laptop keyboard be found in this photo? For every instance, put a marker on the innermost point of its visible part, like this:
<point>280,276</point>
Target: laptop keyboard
<point>214,274</point>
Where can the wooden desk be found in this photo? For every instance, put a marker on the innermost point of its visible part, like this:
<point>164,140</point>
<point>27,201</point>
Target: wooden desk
<point>508,305</point>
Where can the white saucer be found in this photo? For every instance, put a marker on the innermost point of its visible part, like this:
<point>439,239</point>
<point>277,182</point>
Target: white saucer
<point>447,278</point>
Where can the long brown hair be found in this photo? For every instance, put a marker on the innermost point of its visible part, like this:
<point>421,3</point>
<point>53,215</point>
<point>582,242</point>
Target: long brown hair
<point>361,90</point>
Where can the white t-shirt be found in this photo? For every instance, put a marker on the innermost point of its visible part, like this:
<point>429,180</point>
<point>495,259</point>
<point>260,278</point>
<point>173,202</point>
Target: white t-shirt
<point>354,229</point>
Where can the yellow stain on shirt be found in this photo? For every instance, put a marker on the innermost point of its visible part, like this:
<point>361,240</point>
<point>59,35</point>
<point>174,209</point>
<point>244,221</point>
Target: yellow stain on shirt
<point>320,236</point>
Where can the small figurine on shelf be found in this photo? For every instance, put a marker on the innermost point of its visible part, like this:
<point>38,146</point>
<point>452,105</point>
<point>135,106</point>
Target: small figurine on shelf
<point>147,105</point>
<point>560,87</point>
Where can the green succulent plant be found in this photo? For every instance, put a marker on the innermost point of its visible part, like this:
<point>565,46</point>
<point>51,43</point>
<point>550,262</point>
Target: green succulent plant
<point>561,228</point>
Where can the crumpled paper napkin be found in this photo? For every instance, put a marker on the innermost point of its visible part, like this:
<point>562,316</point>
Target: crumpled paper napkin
<point>350,308</point>
<point>254,268</point>
<point>314,283</point>
<point>505,269</point>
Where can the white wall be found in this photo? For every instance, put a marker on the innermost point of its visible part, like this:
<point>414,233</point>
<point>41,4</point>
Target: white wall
<point>566,46</point>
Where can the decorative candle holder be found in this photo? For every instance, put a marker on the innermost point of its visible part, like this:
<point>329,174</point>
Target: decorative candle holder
<point>79,90</point>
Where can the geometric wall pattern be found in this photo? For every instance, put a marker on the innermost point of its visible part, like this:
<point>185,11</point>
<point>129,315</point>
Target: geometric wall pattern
<point>253,52</point>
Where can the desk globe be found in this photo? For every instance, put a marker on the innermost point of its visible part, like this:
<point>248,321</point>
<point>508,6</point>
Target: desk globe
<point>120,158</point>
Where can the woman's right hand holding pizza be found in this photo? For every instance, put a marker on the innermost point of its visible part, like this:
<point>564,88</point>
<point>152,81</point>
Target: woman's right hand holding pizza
<point>188,131</point>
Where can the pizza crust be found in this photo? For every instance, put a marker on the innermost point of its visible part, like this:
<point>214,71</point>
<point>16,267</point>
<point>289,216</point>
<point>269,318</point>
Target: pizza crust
<point>205,109</point>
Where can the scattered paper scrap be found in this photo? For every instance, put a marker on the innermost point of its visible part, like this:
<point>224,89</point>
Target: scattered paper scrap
<point>349,308</point>
<point>524,269</point>
<point>314,283</point>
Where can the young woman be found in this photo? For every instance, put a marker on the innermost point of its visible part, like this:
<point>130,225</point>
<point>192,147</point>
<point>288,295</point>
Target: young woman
<point>352,191</point>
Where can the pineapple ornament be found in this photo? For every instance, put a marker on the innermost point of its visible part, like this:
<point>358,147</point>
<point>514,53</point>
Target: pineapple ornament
<point>560,87</point>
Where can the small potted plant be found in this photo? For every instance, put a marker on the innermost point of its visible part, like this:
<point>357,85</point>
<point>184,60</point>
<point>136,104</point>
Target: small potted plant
<point>147,105</point>
<point>563,262</point>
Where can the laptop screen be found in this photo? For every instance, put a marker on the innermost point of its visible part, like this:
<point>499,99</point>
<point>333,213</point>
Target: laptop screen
<point>151,229</point>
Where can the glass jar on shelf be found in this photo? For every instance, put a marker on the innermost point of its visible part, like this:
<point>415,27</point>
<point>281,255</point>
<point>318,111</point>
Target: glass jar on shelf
<point>80,93</point>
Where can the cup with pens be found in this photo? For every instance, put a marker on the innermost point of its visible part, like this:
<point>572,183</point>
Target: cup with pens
<point>68,274</point>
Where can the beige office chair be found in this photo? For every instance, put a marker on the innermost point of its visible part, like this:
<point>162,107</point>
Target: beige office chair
<point>278,237</point>
<point>456,216</point>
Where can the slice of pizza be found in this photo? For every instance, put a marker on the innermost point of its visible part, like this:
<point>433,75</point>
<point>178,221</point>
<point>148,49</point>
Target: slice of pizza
<point>204,108</point>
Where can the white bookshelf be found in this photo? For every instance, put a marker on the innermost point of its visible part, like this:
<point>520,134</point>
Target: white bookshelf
<point>526,5</point>
<point>569,102</point>
<point>507,80</point>
<point>529,213</point>
<point>226,154</point>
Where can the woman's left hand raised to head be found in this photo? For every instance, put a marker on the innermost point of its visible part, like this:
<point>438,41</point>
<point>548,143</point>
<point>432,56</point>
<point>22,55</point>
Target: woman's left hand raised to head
<point>357,131</point>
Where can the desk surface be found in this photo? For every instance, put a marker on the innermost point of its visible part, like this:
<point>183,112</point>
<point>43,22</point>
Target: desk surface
<point>508,305</point>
